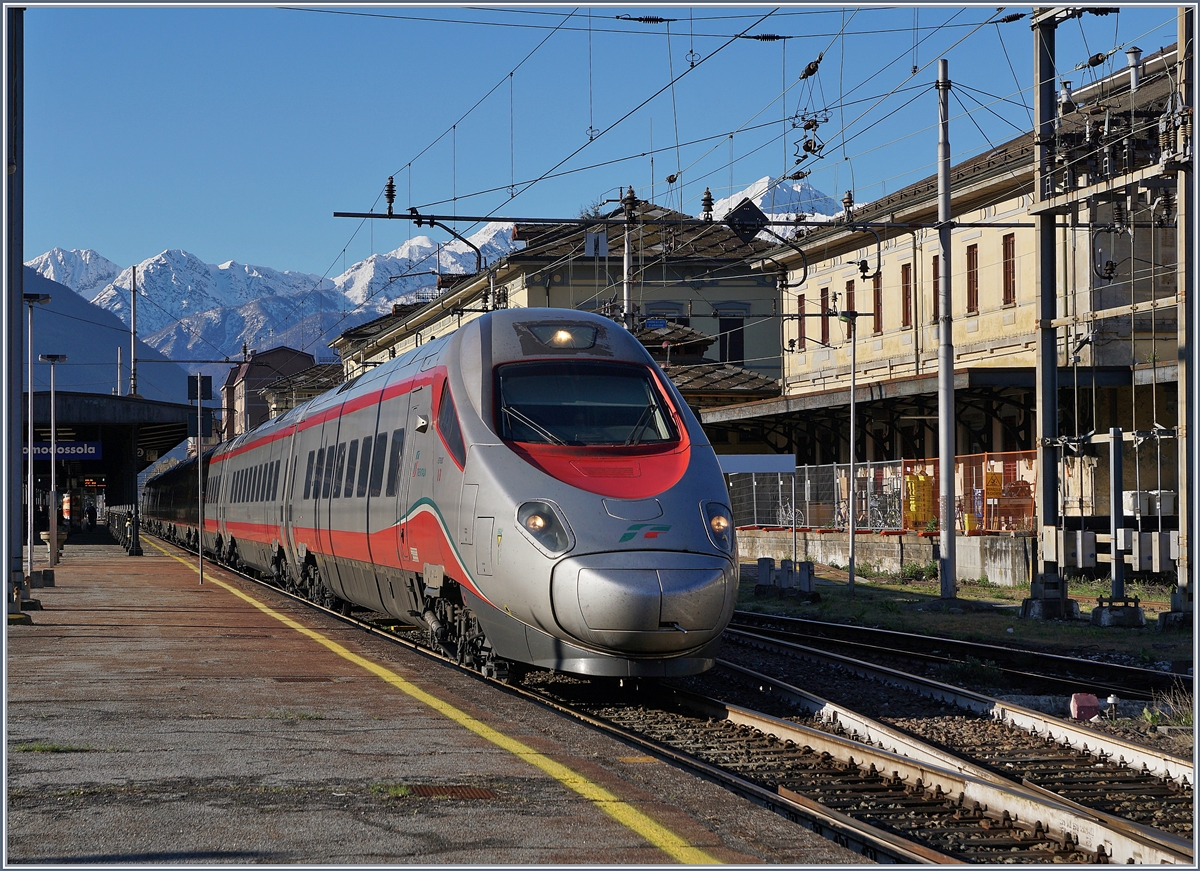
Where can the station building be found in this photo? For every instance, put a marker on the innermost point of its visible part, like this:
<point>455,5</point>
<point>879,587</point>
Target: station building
<point>1118,165</point>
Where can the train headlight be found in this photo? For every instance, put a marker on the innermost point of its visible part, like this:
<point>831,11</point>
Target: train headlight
<point>542,523</point>
<point>719,523</point>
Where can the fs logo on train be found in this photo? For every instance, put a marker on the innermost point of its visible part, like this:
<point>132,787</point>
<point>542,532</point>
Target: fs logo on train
<point>646,530</point>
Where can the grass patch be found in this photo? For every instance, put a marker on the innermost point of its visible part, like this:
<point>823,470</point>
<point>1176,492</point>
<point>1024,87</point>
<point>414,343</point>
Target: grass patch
<point>392,790</point>
<point>47,747</point>
<point>983,612</point>
<point>1171,708</point>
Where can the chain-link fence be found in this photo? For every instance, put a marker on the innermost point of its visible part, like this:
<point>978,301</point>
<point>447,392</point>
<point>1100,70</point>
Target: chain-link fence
<point>995,494</point>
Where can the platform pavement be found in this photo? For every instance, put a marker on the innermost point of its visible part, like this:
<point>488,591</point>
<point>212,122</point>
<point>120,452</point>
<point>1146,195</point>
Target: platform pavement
<point>151,719</point>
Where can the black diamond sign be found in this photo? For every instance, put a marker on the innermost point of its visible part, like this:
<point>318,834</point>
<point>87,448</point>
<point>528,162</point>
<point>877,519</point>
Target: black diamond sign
<point>746,221</point>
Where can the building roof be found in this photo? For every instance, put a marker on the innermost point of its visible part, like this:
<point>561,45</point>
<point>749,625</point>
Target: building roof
<point>350,341</point>
<point>720,383</point>
<point>318,378</point>
<point>661,239</point>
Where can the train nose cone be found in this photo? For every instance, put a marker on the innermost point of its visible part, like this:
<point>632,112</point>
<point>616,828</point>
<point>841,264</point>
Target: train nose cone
<point>644,601</point>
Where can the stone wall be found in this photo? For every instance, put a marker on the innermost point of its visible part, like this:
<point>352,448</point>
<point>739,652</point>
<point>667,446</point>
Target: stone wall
<point>1004,560</point>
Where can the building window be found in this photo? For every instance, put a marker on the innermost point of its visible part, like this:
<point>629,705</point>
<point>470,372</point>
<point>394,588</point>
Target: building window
<point>800,321</point>
<point>906,295</point>
<point>937,288</point>
<point>733,340</point>
<point>877,301</point>
<point>824,316</point>
<point>848,305</point>
<point>972,279</point>
<point>1010,269</point>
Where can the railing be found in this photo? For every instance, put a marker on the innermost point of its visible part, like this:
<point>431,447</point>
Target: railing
<point>994,494</point>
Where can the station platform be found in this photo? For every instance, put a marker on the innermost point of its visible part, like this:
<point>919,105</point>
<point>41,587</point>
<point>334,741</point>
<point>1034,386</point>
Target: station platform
<point>154,719</point>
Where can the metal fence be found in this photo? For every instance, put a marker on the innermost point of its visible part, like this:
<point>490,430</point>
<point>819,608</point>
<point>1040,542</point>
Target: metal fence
<point>994,494</point>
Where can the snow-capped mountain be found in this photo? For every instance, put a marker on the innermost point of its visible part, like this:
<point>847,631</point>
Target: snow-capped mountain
<point>190,309</point>
<point>93,341</point>
<point>85,272</point>
<point>382,279</point>
<point>175,284</point>
<point>781,200</point>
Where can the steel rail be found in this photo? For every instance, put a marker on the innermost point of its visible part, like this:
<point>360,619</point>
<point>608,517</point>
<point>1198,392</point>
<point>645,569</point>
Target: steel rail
<point>881,735</point>
<point>1087,830</point>
<point>1137,682</point>
<point>1159,763</point>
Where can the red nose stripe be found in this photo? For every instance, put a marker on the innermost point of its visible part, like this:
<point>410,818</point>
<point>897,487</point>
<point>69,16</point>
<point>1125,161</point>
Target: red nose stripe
<point>619,476</point>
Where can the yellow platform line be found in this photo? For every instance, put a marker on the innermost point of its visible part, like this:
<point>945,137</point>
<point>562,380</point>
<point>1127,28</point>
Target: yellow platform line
<point>658,835</point>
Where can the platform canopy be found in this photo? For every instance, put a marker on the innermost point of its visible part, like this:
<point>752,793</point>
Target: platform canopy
<point>112,438</point>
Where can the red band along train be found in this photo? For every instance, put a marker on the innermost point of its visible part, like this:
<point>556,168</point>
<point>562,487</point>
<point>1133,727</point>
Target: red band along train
<point>530,490</point>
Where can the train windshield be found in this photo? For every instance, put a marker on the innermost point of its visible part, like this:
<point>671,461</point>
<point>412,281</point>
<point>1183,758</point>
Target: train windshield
<point>581,403</point>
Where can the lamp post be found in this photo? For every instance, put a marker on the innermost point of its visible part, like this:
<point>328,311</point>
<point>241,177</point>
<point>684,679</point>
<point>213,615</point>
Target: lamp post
<point>52,538</point>
<point>31,299</point>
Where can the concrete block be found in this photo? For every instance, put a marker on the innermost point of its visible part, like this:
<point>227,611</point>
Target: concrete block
<point>1084,706</point>
<point>805,577</point>
<point>1162,502</point>
<point>766,571</point>
<point>786,575</point>
<point>47,577</point>
<point>35,580</point>
<point>1136,502</point>
<point>1125,616</point>
<point>1175,620</point>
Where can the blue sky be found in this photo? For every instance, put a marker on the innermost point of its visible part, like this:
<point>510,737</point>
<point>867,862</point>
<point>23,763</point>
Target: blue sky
<point>235,133</point>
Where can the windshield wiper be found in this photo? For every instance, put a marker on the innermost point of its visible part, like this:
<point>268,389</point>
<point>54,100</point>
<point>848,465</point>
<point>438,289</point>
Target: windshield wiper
<point>533,425</point>
<point>642,422</point>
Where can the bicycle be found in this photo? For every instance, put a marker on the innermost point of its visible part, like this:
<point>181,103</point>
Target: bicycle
<point>789,516</point>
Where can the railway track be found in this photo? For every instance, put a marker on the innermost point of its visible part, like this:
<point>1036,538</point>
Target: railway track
<point>1105,772</point>
<point>909,807</point>
<point>1020,669</point>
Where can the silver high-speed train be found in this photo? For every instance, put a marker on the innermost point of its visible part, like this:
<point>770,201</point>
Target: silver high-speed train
<point>530,490</point>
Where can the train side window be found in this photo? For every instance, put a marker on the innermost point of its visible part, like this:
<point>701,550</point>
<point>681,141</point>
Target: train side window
<point>255,482</point>
<point>364,470</point>
<point>338,468</point>
<point>394,461</point>
<point>327,479</point>
<point>237,485</point>
<point>275,482</point>
<point>308,474</point>
<point>447,422</point>
<point>377,464</point>
<point>351,465</point>
<point>318,473</point>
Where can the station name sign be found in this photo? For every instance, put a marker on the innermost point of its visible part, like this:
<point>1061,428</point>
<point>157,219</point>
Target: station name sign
<point>66,450</point>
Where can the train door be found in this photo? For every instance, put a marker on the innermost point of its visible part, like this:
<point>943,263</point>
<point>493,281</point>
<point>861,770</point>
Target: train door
<point>291,468</point>
<point>348,506</point>
<point>302,506</point>
<point>420,534</point>
<point>327,521</point>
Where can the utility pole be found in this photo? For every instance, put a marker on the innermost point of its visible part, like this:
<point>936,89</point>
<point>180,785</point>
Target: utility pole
<point>1184,598</point>
<point>1047,596</point>
<point>133,337</point>
<point>629,201</point>
<point>14,134</point>
<point>947,443</point>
